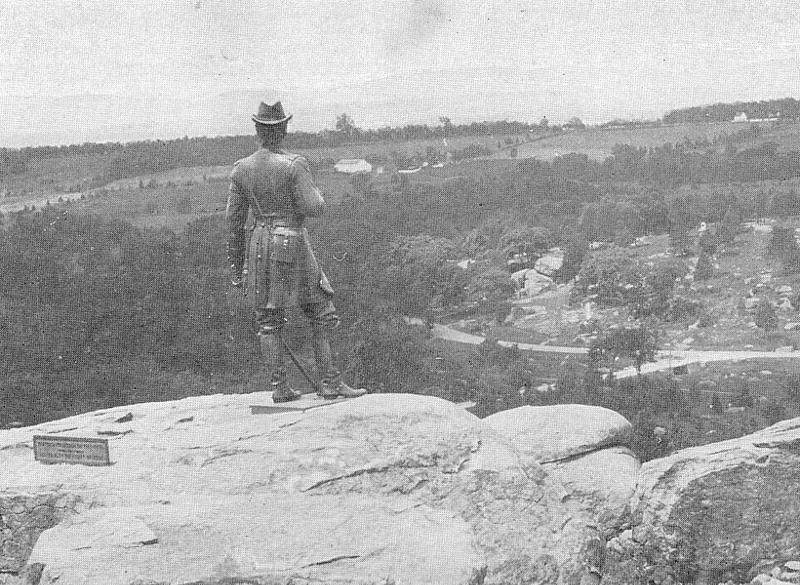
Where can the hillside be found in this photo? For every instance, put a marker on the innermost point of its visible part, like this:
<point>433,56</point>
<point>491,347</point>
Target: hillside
<point>434,247</point>
<point>598,143</point>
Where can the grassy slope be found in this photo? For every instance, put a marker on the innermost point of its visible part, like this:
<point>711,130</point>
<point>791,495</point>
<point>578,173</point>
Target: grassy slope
<point>598,143</point>
<point>57,175</point>
<point>64,174</point>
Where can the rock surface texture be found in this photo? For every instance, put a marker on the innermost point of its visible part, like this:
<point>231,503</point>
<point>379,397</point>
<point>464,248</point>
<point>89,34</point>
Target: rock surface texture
<point>584,448</point>
<point>383,489</point>
<point>555,433</point>
<point>715,514</point>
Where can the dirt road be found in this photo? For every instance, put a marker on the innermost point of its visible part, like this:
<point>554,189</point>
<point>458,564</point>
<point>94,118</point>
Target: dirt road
<point>665,359</point>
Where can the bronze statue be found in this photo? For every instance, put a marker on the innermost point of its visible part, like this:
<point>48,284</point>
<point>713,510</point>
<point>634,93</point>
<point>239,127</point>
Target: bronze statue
<point>275,262</point>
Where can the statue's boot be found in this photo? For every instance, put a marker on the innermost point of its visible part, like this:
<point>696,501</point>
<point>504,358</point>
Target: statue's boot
<point>332,385</point>
<point>273,352</point>
<point>281,392</point>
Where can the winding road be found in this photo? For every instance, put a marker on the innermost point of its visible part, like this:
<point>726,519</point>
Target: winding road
<point>665,360</point>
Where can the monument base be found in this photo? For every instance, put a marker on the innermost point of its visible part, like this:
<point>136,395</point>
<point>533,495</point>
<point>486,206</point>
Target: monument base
<point>306,402</point>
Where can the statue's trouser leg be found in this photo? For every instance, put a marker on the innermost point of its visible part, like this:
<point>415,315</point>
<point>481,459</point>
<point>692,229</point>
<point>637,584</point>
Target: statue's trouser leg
<point>323,318</point>
<point>270,326</point>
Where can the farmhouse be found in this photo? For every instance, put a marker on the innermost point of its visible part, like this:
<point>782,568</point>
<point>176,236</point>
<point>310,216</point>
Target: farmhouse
<point>352,165</point>
<point>740,117</point>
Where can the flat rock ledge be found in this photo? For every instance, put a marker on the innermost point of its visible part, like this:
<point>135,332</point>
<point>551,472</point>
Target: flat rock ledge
<point>389,488</point>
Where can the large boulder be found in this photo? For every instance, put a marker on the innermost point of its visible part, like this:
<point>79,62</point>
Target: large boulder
<point>604,481</point>
<point>384,488</point>
<point>584,448</point>
<point>550,263</point>
<point>531,281</point>
<point>552,433</point>
<point>713,513</point>
<point>536,283</point>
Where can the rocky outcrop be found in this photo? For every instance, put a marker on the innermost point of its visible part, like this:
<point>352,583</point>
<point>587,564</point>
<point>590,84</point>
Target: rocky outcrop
<point>550,263</point>
<point>381,489</point>
<point>604,480</point>
<point>531,282</point>
<point>585,448</point>
<point>714,514</point>
<point>553,433</point>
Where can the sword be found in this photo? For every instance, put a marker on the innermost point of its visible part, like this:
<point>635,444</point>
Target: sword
<point>296,362</point>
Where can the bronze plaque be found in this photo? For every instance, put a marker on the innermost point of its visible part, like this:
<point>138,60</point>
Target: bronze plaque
<point>85,451</point>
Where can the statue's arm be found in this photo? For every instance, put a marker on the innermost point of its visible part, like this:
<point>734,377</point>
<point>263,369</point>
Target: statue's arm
<point>236,218</point>
<point>307,197</point>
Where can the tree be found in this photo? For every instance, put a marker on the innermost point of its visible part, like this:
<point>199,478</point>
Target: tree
<point>576,123</point>
<point>729,226</point>
<point>782,243</point>
<point>709,243</point>
<point>533,241</point>
<point>345,125</point>
<point>766,318</point>
<point>576,250</point>
<point>418,273</point>
<point>619,277</point>
<point>682,216</point>
<point>704,268</point>
<point>608,276</point>
<point>489,283</point>
<point>680,239</point>
<point>638,343</point>
<point>716,404</point>
<point>447,125</point>
<point>475,242</point>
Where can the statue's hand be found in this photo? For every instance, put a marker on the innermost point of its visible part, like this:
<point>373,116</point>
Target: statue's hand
<point>237,278</point>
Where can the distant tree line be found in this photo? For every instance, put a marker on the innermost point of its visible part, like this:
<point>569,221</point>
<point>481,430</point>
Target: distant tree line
<point>683,163</point>
<point>785,108</point>
<point>150,156</point>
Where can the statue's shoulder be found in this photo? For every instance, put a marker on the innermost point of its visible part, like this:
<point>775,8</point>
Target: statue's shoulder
<point>295,160</point>
<point>289,157</point>
<point>242,164</point>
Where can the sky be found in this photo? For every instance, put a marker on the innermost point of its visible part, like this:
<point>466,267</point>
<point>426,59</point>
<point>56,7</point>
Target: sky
<point>74,71</point>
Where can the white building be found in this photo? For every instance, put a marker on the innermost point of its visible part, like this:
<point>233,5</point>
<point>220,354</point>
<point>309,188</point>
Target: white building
<point>740,117</point>
<point>352,165</point>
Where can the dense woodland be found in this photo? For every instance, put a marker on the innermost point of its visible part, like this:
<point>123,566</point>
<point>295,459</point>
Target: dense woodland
<point>100,313</point>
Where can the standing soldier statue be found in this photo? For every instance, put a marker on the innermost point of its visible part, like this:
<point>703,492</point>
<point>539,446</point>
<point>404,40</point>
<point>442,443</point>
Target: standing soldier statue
<point>277,262</point>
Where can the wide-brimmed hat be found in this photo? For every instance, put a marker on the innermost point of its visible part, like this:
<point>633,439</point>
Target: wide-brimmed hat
<point>271,114</point>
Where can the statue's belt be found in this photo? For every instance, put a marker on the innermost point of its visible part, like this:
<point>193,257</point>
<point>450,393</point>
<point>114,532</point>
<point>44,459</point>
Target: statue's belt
<point>282,226</point>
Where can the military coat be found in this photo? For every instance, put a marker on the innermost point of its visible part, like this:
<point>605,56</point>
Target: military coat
<point>275,255</point>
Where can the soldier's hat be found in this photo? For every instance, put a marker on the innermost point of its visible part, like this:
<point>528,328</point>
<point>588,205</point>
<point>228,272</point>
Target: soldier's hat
<point>271,115</point>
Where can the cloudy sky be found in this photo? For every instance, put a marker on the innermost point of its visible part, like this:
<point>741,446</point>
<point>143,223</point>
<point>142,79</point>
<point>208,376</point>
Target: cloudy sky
<point>97,70</point>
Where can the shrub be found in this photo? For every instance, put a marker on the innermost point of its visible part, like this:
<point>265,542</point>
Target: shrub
<point>792,386</point>
<point>766,318</point>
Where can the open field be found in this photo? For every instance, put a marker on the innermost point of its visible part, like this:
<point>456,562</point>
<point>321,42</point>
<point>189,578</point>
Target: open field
<point>48,177</point>
<point>384,149</point>
<point>53,176</point>
<point>599,143</point>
